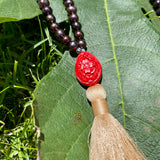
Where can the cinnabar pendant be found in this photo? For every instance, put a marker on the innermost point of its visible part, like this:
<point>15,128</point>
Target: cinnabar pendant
<point>88,69</point>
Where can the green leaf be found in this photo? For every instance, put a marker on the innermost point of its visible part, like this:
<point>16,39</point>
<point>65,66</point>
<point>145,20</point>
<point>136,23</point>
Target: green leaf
<point>15,10</point>
<point>127,45</point>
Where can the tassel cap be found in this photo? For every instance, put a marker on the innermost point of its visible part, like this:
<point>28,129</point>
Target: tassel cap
<point>97,95</point>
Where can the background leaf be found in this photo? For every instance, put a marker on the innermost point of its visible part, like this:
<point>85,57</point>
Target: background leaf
<point>127,45</point>
<point>15,10</point>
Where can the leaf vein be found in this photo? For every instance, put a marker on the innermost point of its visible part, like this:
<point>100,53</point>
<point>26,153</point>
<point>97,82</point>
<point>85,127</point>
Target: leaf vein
<point>116,61</point>
<point>139,79</point>
<point>143,122</point>
<point>78,139</point>
<point>60,99</point>
<point>138,48</point>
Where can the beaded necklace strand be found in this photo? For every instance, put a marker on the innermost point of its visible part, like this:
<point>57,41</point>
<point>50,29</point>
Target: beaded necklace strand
<point>79,43</point>
<point>88,69</point>
<point>156,6</point>
<point>109,140</point>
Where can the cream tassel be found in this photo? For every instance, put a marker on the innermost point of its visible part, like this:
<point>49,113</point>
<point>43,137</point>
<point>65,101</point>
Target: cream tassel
<point>109,140</point>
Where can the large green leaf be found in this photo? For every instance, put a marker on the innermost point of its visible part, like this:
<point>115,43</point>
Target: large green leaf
<point>15,10</point>
<point>128,47</point>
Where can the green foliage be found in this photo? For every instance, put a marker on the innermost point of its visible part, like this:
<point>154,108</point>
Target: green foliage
<point>127,45</point>
<point>18,143</point>
<point>17,10</point>
<point>24,60</point>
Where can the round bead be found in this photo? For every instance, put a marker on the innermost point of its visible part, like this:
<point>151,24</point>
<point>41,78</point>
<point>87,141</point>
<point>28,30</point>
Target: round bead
<point>54,26</point>
<point>151,1</point>
<point>158,12</point>
<point>79,50</point>
<point>68,3</point>
<point>73,45</point>
<point>43,3</point>
<point>59,33</point>
<point>156,4</point>
<point>82,44</point>
<point>66,39</point>
<point>51,18</point>
<point>76,26</point>
<point>47,10</point>
<point>78,35</point>
<point>73,18</point>
<point>88,69</point>
<point>71,10</point>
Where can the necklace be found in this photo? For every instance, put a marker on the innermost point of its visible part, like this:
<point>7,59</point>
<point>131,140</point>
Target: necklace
<point>109,140</point>
<point>156,6</point>
<point>79,42</point>
<point>88,69</point>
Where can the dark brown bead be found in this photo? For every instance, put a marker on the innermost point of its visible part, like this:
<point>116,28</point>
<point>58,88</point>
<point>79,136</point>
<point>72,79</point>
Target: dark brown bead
<point>73,45</point>
<point>156,4</point>
<point>78,35</point>
<point>71,10</point>
<point>79,50</point>
<point>73,18</point>
<point>51,18</point>
<point>43,3</point>
<point>158,12</point>
<point>152,1</point>
<point>47,10</point>
<point>82,44</point>
<point>54,26</point>
<point>59,33</point>
<point>76,26</point>
<point>66,39</point>
<point>68,3</point>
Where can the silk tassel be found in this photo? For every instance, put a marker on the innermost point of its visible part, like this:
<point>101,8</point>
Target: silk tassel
<point>109,140</point>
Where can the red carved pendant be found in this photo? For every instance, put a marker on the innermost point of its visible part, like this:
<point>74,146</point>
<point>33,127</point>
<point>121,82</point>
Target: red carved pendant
<point>88,69</point>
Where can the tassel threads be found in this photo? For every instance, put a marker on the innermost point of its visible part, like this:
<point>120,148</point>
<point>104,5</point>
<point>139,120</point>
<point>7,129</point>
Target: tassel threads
<point>109,140</point>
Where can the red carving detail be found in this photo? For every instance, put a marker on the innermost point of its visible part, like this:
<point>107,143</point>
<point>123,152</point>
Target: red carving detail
<point>88,69</point>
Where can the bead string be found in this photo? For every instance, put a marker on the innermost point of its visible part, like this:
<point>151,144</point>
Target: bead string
<point>79,43</point>
<point>156,6</point>
<point>88,69</point>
